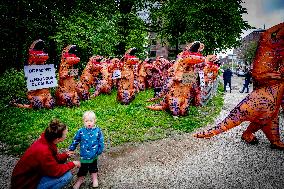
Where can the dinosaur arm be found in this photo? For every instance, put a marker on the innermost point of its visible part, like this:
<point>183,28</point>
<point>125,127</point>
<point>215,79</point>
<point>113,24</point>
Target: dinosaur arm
<point>274,75</point>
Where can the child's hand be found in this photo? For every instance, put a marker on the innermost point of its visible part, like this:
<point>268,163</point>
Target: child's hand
<point>70,153</point>
<point>77,163</point>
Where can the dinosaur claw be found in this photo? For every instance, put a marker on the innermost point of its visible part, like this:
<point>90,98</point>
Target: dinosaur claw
<point>277,145</point>
<point>249,138</point>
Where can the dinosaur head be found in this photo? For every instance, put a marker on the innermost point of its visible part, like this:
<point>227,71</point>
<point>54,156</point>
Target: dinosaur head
<point>132,51</point>
<point>36,53</point>
<point>190,58</point>
<point>96,59</point>
<point>116,62</point>
<point>69,55</point>
<point>129,56</point>
<point>274,38</point>
<point>195,47</point>
<point>277,39</point>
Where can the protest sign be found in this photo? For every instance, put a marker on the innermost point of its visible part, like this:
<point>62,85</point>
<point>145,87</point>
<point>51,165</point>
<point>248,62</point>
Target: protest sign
<point>40,76</point>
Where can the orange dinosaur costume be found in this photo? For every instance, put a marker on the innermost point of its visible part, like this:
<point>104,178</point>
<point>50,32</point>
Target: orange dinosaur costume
<point>66,94</point>
<point>88,77</point>
<point>261,107</point>
<point>142,74</point>
<point>210,83</point>
<point>40,98</point>
<point>126,89</point>
<point>105,83</point>
<point>115,66</point>
<point>177,97</point>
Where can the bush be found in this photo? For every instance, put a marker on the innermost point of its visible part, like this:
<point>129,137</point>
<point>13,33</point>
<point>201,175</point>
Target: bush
<point>12,85</point>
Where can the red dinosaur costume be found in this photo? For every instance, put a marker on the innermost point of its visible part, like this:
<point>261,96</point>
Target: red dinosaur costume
<point>126,89</point>
<point>40,98</point>
<point>88,77</point>
<point>66,94</point>
<point>261,107</point>
<point>177,98</point>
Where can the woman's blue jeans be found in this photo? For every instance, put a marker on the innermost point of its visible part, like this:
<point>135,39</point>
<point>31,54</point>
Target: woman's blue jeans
<point>55,182</point>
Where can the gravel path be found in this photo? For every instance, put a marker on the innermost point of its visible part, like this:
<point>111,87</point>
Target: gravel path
<point>182,161</point>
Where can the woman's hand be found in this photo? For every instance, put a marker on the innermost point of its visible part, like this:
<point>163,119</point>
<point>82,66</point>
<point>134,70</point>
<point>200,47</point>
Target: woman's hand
<point>70,153</point>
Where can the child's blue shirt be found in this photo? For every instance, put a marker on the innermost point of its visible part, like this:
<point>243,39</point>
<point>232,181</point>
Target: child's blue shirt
<point>91,143</point>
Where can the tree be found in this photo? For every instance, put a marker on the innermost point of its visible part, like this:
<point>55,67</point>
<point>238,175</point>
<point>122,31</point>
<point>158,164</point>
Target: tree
<point>22,22</point>
<point>249,52</point>
<point>92,35</point>
<point>58,22</point>
<point>218,24</point>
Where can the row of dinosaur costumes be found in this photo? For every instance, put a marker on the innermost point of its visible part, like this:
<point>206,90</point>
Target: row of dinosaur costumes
<point>261,107</point>
<point>177,83</point>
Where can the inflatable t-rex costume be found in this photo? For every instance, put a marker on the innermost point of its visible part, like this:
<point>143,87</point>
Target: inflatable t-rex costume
<point>142,75</point>
<point>115,66</point>
<point>40,98</point>
<point>88,77</point>
<point>105,83</point>
<point>126,89</point>
<point>209,83</point>
<point>66,94</point>
<point>261,107</point>
<point>177,98</point>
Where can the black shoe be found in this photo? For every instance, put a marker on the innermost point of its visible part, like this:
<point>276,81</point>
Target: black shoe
<point>241,91</point>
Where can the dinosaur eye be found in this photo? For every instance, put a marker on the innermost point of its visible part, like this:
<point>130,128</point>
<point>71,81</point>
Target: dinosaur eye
<point>274,34</point>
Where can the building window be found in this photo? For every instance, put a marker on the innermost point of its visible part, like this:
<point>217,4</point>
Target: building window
<point>152,53</point>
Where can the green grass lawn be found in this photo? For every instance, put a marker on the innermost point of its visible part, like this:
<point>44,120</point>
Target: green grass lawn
<point>120,123</point>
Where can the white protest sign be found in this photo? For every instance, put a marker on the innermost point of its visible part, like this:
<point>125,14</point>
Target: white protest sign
<point>116,74</point>
<point>188,78</point>
<point>73,72</point>
<point>202,79</point>
<point>40,76</point>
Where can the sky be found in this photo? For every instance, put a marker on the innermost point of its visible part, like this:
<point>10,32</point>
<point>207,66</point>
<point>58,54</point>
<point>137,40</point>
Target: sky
<point>262,13</point>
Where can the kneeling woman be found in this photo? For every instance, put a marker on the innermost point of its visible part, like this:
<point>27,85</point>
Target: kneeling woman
<point>42,166</point>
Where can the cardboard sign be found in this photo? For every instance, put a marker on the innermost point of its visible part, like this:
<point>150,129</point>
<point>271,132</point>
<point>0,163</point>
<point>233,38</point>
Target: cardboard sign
<point>40,76</point>
<point>201,77</point>
<point>116,74</point>
<point>188,78</point>
<point>73,72</point>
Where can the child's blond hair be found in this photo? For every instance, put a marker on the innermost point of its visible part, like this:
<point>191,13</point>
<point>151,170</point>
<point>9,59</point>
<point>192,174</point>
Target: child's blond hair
<point>90,115</point>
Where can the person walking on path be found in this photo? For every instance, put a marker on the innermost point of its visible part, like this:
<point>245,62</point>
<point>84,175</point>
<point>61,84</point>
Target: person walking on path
<point>91,141</point>
<point>42,166</point>
<point>246,81</point>
<point>227,76</point>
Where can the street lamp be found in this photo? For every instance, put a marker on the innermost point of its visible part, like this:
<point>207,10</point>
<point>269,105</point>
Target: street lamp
<point>232,57</point>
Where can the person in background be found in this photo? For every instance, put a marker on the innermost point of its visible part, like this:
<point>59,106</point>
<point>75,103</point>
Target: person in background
<point>227,77</point>
<point>246,81</point>
<point>91,142</point>
<point>41,166</point>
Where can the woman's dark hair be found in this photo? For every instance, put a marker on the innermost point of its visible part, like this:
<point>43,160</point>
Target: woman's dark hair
<point>54,130</point>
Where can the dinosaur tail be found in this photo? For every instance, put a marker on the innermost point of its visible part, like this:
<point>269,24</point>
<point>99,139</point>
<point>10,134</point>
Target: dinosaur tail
<point>19,105</point>
<point>156,107</point>
<point>235,118</point>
